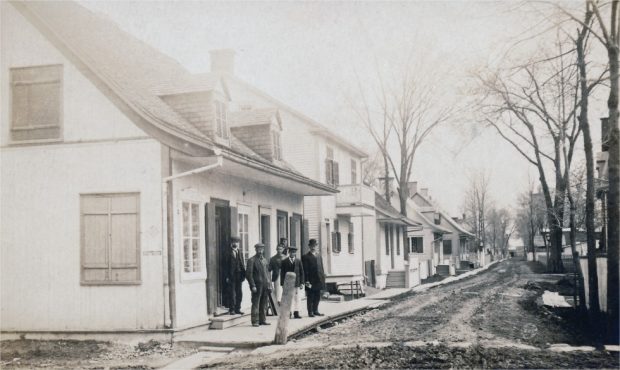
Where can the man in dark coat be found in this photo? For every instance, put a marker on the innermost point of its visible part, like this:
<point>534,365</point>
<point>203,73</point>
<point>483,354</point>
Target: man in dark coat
<point>234,272</point>
<point>293,264</point>
<point>314,277</point>
<point>260,282</point>
<point>274,266</point>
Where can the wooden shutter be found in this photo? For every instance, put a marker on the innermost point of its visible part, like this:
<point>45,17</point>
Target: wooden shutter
<point>36,102</point>
<point>329,168</point>
<point>335,242</point>
<point>338,238</point>
<point>305,236</point>
<point>95,232</point>
<point>234,222</point>
<point>336,176</point>
<point>110,239</point>
<point>211,258</point>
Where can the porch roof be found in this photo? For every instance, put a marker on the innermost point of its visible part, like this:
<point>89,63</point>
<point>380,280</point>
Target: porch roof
<point>389,214</point>
<point>262,173</point>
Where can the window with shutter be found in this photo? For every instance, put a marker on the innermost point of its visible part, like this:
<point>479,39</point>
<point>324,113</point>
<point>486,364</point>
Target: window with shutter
<point>36,103</point>
<point>110,238</point>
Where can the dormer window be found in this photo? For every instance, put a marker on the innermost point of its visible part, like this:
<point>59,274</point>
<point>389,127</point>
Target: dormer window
<point>221,120</point>
<point>277,148</point>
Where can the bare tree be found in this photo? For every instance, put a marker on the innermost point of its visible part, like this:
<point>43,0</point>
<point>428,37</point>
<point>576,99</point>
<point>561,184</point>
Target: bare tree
<point>400,115</point>
<point>533,107</point>
<point>531,217</point>
<point>475,208</point>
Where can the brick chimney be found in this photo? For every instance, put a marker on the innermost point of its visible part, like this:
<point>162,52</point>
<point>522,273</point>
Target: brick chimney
<point>413,187</point>
<point>222,61</point>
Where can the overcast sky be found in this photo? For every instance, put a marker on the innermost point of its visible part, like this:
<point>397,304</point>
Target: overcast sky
<point>310,55</point>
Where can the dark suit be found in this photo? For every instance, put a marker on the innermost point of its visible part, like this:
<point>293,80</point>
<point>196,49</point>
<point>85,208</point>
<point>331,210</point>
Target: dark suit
<point>259,277</point>
<point>234,272</point>
<point>314,274</point>
<point>297,267</point>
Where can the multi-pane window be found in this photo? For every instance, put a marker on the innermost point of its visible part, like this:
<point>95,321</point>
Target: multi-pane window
<point>110,238</point>
<point>447,246</point>
<point>244,245</point>
<point>221,120</point>
<point>277,148</point>
<point>295,240</point>
<point>416,244</point>
<point>351,238</point>
<point>192,261</point>
<point>353,171</point>
<point>282,225</point>
<point>36,103</point>
<point>332,172</point>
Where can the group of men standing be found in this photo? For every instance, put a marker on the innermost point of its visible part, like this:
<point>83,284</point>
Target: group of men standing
<point>264,275</point>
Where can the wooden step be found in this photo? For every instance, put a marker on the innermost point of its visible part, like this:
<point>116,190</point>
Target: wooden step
<point>227,321</point>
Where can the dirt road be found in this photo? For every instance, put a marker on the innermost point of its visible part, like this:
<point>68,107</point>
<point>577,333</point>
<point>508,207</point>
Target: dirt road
<point>491,320</point>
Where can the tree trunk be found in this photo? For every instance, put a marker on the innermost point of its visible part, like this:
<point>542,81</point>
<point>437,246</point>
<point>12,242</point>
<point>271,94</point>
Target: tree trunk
<point>590,201</point>
<point>613,203</point>
<point>386,181</point>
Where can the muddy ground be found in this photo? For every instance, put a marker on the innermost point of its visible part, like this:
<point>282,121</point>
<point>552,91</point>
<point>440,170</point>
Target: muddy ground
<point>69,354</point>
<point>470,324</point>
<point>496,308</point>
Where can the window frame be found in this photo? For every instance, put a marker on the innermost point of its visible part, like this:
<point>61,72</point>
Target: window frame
<point>443,246</point>
<point>415,249</point>
<point>243,229</point>
<point>221,119</point>
<point>277,145</point>
<point>191,196</point>
<point>138,235</point>
<point>30,128</point>
<point>353,171</point>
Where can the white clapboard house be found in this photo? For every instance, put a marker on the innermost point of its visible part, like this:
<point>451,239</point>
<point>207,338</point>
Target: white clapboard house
<point>124,177</point>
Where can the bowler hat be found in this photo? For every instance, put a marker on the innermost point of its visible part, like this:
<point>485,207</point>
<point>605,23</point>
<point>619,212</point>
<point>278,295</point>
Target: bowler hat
<point>235,239</point>
<point>312,242</point>
<point>259,245</point>
<point>282,240</point>
<point>292,249</point>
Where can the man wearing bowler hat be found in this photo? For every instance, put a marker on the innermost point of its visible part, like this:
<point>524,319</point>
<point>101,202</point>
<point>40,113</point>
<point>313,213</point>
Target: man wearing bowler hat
<point>292,264</point>
<point>260,282</point>
<point>234,271</point>
<point>314,278</point>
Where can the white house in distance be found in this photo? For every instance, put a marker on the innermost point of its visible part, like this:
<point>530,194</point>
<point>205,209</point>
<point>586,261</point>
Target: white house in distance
<point>121,189</point>
<point>425,240</point>
<point>455,240</point>
<point>321,155</point>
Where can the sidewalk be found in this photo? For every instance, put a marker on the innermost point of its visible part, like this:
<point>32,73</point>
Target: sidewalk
<point>247,336</point>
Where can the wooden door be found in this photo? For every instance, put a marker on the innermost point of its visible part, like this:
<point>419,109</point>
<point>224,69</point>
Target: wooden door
<point>222,242</point>
<point>265,237</point>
